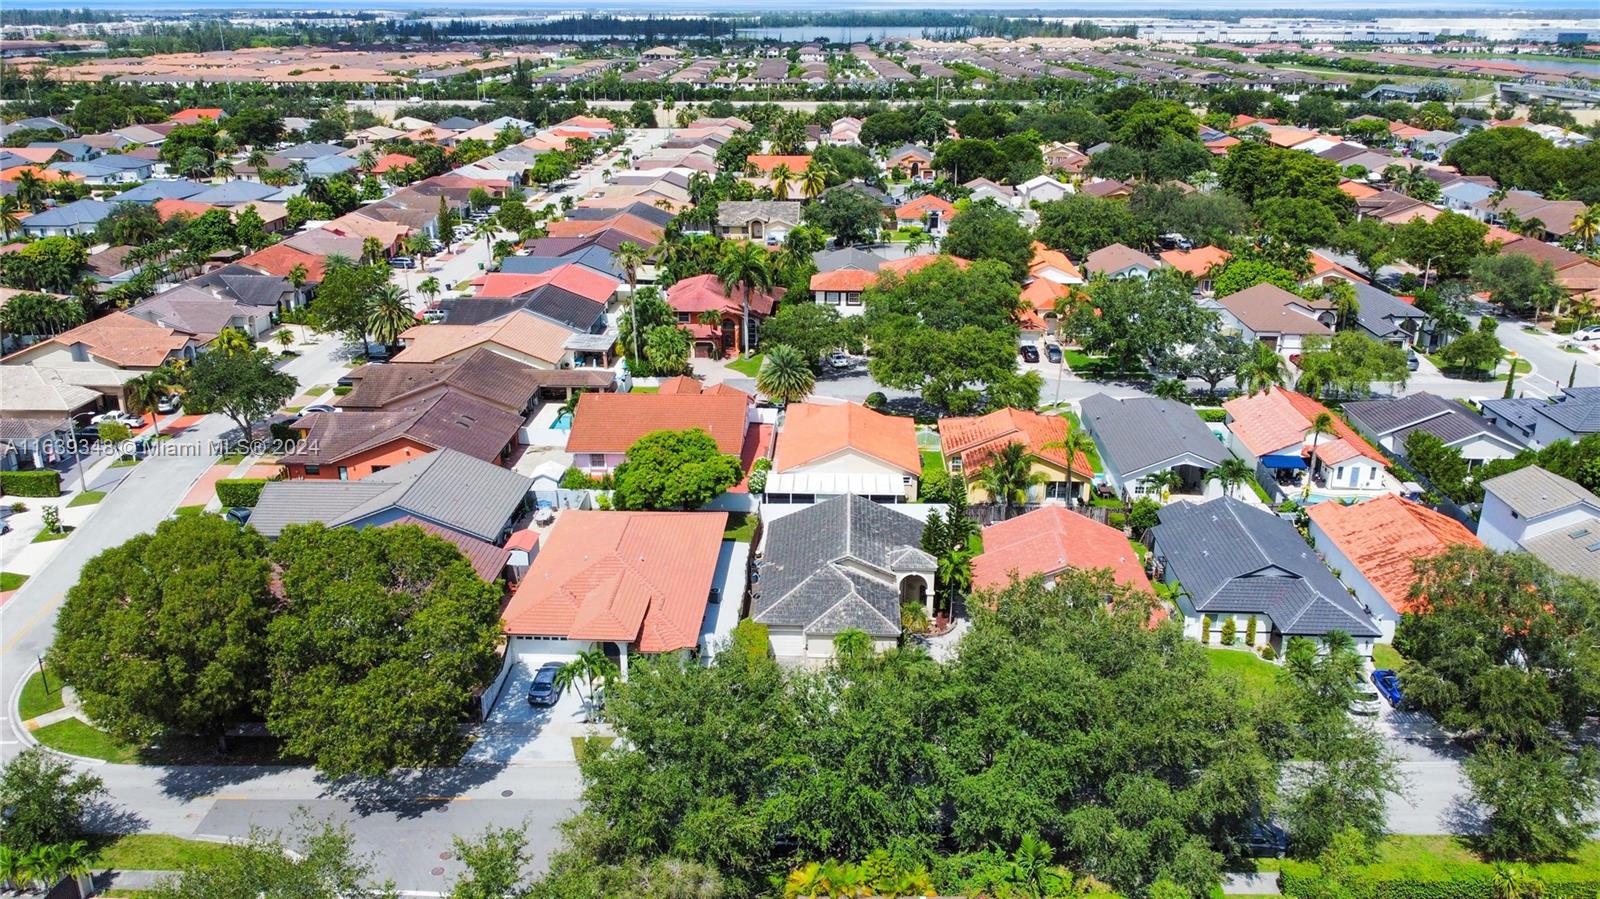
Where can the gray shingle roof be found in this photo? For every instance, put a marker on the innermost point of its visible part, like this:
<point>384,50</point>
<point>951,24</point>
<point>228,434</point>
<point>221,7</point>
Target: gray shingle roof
<point>1533,491</point>
<point>848,257</point>
<point>151,191</point>
<point>1142,432</point>
<point>1577,410</point>
<point>807,578</point>
<point>447,488</point>
<point>1573,550</point>
<point>1399,416</point>
<point>1231,557</point>
<point>75,214</point>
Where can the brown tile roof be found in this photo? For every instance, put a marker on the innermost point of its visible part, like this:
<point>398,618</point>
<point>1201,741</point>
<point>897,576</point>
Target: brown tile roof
<point>1117,257</point>
<point>612,422</point>
<point>126,341</point>
<point>976,439</point>
<point>520,331</point>
<point>1264,309</point>
<point>631,577</point>
<point>485,374</point>
<point>1382,537</point>
<point>450,420</point>
<point>812,432</point>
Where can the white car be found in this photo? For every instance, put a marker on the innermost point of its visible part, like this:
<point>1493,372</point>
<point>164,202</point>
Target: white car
<point>319,407</point>
<point>839,360</point>
<point>118,417</point>
<point>1586,334</point>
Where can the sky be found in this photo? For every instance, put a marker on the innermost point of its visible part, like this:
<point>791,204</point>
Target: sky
<point>1107,7</point>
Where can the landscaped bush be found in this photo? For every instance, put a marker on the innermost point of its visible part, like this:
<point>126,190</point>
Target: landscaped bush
<point>237,492</point>
<point>31,483</point>
<point>1212,416</point>
<point>1302,878</point>
<point>1230,631</point>
<point>342,389</point>
<point>1144,515</point>
<point>876,400</point>
<point>1268,653</point>
<point>1566,325</point>
<point>574,478</point>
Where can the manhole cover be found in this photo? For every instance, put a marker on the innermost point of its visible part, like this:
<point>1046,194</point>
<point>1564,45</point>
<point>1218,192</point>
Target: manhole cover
<point>444,856</point>
<point>437,872</point>
<point>505,793</point>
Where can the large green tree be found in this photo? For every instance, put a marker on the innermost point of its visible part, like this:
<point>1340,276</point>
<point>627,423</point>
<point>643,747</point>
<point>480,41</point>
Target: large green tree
<point>1079,224</point>
<point>318,861</point>
<point>1348,364</point>
<point>245,386</point>
<point>987,231</point>
<point>674,470</point>
<point>46,801</point>
<point>385,637</point>
<point>167,632</point>
<point>1139,321</point>
<point>1445,246</point>
<point>852,216</point>
<point>1255,172</point>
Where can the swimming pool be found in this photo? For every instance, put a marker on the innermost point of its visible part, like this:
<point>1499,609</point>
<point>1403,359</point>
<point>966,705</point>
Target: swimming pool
<point>563,422</point>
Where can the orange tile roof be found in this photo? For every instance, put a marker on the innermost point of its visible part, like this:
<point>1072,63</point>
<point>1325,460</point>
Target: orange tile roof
<point>1050,540</point>
<point>196,115</point>
<point>1310,408</point>
<point>923,205</point>
<point>390,161</point>
<point>126,341</point>
<point>635,577</point>
<point>1382,537</point>
<point>167,207</point>
<point>612,422</point>
<point>1044,257</point>
<point>590,122</point>
<point>1355,190</point>
<point>843,279</point>
<point>703,293</point>
<point>1277,418</point>
<point>1197,262</point>
<point>976,439</point>
<point>48,175</point>
<point>38,155</point>
<point>521,331</point>
<point>1404,131</point>
<point>909,264</point>
<point>766,164</point>
<point>1322,265</point>
<point>280,259</point>
<point>1044,294</point>
<point>812,432</point>
<point>578,279</point>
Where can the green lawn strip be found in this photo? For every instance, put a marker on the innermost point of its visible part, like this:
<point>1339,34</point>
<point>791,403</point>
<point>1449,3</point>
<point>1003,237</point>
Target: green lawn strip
<point>581,746</point>
<point>741,527</point>
<point>10,580</point>
<point>1098,366</point>
<point>38,699</point>
<point>1446,858</point>
<point>1261,492</point>
<point>231,459</point>
<point>645,390</point>
<point>159,852</point>
<point>1139,549</point>
<point>748,366</point>
<point>125,463</point>
<point>47,536</point>
<point>1258,677</point>
<point>76,737</point>
<point>87,498</point>
<point>317,390</point>
<point>1384,655</point>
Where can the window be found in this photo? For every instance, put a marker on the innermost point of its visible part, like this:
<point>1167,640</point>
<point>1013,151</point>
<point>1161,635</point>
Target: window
<point>955,464</point>
<point>597,460</point>
<point>313,470</point>
<point>852,299</point>
<point>344,473</point>
<point>378,468</point>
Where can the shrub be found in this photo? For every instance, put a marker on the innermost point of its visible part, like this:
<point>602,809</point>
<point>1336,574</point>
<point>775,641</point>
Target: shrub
<point>1566,325</point>
<point>1230,631</point>
<point>1212,416</point>
<point>1144,515</point>
<point>1117,520</point>
<point>603,502</point>
<point>52,519</point>
<point>1250,631</point>
<point>876,400</point>
<point>1205,629</point>
<point>1304,879</point>
<point>31,483</point>
<point>574,478</point>
<point>19,507</point>
<point>1268,653</point>
<point>342,389</point>
<point>237,492</point>
<point>113,432</point>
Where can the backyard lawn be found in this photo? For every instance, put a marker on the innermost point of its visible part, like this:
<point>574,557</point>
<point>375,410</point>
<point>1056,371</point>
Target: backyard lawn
<point>741,527</point>
<point>1258,677</point>
<point>1384,655</point>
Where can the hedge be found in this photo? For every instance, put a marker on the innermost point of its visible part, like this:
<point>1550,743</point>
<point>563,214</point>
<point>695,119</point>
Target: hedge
<point>30,483</point>
<point>236,492</point>
<point>1300,879</point>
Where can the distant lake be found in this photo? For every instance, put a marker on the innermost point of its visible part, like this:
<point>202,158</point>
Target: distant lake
<point>833,35</point>
<point>1545,65</point>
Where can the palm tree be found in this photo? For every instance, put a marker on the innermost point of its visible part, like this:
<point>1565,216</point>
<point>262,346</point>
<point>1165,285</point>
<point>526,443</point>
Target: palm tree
<point>915,241</point>
<point>487,231</point>
<point>1321,425</point>
<point>1170,389</point>
<point>230,341</point>
<point>814,179</point>
<point>1030,872</point>
<point>589,668</point>
<point>1262,370</point>
<point>1231,472</point>
<point>1164,482</point>
<point>144,393</point>
<point>1586,224</point>
<point>631,257</point>
<point>747,267</point>
<point>371,250</point>
<point>257,160</point>
<point>75,861</point>
<point>366,160</point>
<point>1008,476</point>
<point>9,221</point>
<point>1073,442</point>
<point>31,190</point>
<point>284,338</point>
<point>1531,227</point>
<point>782,176</point>
<point>785,375</point>
<point>222,168</point>
<point>418,245</point>
<point>390,315</point>
<point>429,288</point>
<point>1515,881</point>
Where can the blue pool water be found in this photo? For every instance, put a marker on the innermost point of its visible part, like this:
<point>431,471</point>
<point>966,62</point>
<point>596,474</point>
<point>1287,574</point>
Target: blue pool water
<point>563,422</point>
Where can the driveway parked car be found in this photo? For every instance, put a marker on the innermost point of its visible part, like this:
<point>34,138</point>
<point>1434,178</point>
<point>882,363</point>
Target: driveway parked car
<point>1366,702</point>
<point>169,403</point>
<point>543,691</point>
<point>1052,353</point>
<point>1030,353</point>
<point>319,407</point>
<point>839,360</point>
<point>1387,681</point>
<point>1585,334</point>
<point>118,417</point>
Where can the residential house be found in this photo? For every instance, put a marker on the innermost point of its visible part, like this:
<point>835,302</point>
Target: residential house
<point>196,115</point>
<point>1049,541</point>
<point>622,582</point>
<point>699,299</point>
<point>1537,511</point>
<point>1390,421</point>
<point>984,189</point>
<point>152,191</point>
<point>828,450</point>
<point>842,289</point>
<point>915,162</point>
<point>38,407</point>
<point>1577,275</point>
<point>845,132</point>
<point>929,212</point>
<point>1041,189</point>
<point>1276,317</point>
<point>1107,189</point>
<point>1386,317</point>
<point>1201,264</point>
<point>605,425</point>
<point>968,444</point>
<point>1228,560</point>
<point>1573,414</point>
<point>1372,547</point>
<point>104,354</point>
<point>1065,157</point>
<point>108,171</point>
<point>1273,430</point>
<point>79,218</point>
<point>522,335</point>
<point>847,563</point>
<point>1119,261</point>
<point>766,221</point>
<point>349,446</point>
<point>1140,438</point>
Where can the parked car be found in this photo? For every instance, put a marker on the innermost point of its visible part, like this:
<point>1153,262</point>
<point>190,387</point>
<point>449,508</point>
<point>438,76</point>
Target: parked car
<point>1590,333</point>
<point>1052,353</point>
<point>118,417</point>
<point>1412,362</point>
<point>1267,840</point>
<point>543,691</point>
<point>238,514</point>
<point>433,316</point>
<point>839,360</point>
<point>1366,702</point>
<point>403,262</point>
<point>319,407</point>
<point>1030,353</point>
<point>1387,680</point>
<point>169,403</point>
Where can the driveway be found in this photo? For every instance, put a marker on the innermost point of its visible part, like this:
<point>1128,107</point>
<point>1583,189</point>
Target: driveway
<point>517,733</point>
<point>1436,786</point>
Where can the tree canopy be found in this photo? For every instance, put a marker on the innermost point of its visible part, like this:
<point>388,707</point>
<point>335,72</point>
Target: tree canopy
<point>674,470</point>
<point>1078,224</point>
<point>1139,321</point>
<point>246,387</point>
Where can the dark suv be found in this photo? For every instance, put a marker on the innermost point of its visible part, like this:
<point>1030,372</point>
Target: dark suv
<point>543,691</point>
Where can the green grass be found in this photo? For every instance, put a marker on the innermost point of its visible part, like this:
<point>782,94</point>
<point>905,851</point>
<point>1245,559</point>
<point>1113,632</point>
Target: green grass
<point>48,536</point>
<point>748,366</point>
<point>582,746</point>
<point>1573,350</point>
<point>87,498</point>
<point>317,390</point>
<point>1261,492</point>
<point>125,463</point>
<point>231,459</point>
<point>10,580</point>
<point>1257,677</point>
<point>645,390</point>
<point>1446,857</point>
<point>1139,549</point>
<point>1091,451</point>
<point>1094,367</point>
<point>741,527</point>
<point>159,852</point>
<point>76,737</point>
<point>36,698</point>
<point>1384,655</point>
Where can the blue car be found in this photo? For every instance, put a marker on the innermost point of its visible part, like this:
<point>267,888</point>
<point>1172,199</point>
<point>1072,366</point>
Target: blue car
<point>1388,683</point>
